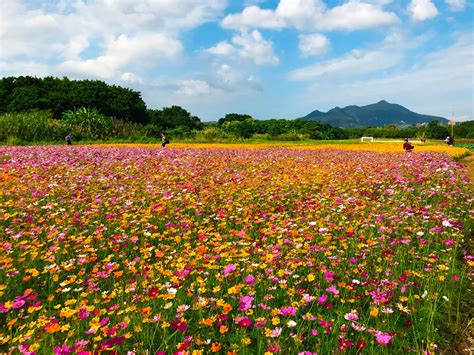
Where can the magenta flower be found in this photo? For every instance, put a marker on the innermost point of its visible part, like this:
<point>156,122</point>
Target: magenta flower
<point>249,279</point>
<point>83,313</point>
<point>449,242</point>
<point>243,322</point>
<point>245,303</point>
<point>383,338</point>
<point>332,289</point>
<point>329,276</point>
<point>228,269</point>
<point>322,299</point>
<point>63,350</point>
<point>18,303</point>
<point>288,311</point>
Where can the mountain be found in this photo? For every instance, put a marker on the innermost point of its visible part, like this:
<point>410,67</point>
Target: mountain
<point>377,115</point>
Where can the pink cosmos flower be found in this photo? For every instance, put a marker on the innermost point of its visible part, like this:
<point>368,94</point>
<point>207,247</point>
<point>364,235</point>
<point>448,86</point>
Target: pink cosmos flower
<point>249,279</point>
<point>274,348</point>
<point>83,313</point>
<point>322,299</point>
<point>351,316</point>
<point>329,276</point>
<point>63,350</point>
<point>81,343</point>
<point>449,242</point>
<point>245,303</point>
<point>18,303</point>
<point>228,269</point>
<point>383,338</point>
<point>288,311</point>
<point>332,289</point>
<point>244,322</point>
<point>275,332</point>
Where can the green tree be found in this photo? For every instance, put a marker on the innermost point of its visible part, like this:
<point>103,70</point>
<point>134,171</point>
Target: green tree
<point>174,117</point>
<point>25,93</point>
<point>435,131</point>
<point>87,123</point>
<point>231,117</point>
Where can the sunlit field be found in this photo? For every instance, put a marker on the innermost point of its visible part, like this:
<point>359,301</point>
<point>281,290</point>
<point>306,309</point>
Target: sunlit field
<point>295,249</point>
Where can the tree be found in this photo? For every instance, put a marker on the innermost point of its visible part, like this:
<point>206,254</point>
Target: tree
<point>25,93</point>
<point>231,117</point>
<point>435,131</point>
<point>174,117</point>
<point>87,123</point>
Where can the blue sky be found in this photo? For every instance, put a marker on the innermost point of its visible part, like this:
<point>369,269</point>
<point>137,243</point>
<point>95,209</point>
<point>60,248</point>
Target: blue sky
<point>266,58</point>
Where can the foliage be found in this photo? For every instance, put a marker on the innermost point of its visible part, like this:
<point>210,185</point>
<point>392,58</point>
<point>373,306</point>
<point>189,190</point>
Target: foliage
<point>436,131</point>
<point>464,129</point>
<point>87,123</point>
<point>29,127</point>
<point>233,117</point>
<point>25,93</point>
<point>433,130</point>
<point>173,117</point>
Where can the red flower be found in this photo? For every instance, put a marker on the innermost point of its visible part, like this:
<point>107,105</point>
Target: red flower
<point>153,292</point>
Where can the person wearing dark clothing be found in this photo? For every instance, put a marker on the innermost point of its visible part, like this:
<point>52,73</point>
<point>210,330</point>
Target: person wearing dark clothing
<point>164,141</point>
<point>69,139</point>
<point>407,146</point>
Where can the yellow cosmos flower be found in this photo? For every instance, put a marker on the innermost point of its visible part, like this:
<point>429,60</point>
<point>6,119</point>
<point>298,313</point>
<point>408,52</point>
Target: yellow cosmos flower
<point>246,341</point>
<point>223,329</point>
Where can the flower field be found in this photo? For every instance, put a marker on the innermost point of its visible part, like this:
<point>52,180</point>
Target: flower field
<point>230,250</point>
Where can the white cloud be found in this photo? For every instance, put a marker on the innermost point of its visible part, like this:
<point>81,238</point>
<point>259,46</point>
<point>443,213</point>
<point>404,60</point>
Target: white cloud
<point>456,5</point>
<point>254,47</point>
<point>192,88</point>
<point>248,45</point>
<point>145,50</point>
<point>222,48</point>
<point>313,15</point>
<point>356,63</point>
<point>252,17</point>
<point>313,44</point>
<point>24,68</point>
<point>232,79</point>
<point>355,15</point>
<point>421,10</point>
<point>300,13</point>
<point>99,37</point>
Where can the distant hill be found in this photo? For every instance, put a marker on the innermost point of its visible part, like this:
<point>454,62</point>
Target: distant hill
<point>377,115</point>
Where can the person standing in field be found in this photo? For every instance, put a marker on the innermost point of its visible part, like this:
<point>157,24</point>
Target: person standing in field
<point>68,139</point>
<point>407,146</point>
<point>164,141</point>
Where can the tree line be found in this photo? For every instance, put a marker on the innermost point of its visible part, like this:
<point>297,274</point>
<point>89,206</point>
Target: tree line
<point>46,109</point>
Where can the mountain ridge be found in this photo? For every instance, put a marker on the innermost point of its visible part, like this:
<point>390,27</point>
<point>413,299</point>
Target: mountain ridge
<point>378,114</point>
